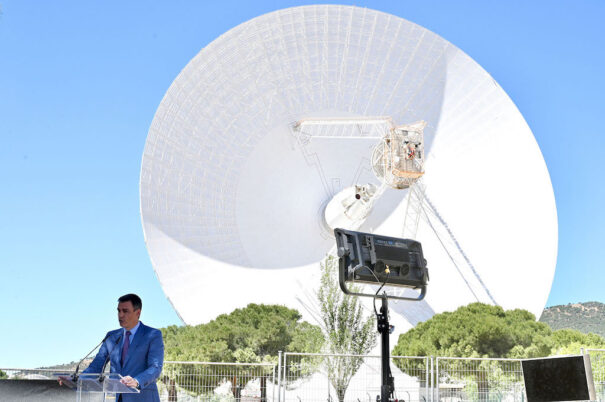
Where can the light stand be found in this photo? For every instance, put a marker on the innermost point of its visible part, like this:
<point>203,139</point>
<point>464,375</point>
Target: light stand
<point>388,383</point>
<point>380,260</point>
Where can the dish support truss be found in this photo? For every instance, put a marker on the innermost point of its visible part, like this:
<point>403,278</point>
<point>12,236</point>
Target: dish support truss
<point>420,206</point>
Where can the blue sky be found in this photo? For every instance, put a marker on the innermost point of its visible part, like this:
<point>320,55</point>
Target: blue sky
<point>79,86</point>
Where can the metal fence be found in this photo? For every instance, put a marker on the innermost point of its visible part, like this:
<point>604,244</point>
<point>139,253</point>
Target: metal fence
<point>476,379</point>
<point>349,378</point>
<point>354,378</point>
<point>30,374</point>
<point>597,361</point>
<point>333,378</point>
<point>217,382</point>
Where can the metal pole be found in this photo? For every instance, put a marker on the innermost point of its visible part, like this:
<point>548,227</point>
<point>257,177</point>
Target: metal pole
<point>285,371</point>
<point>273,385</point>
<point>432,378</point>
<point>388,384</point>
<point>437,378</point>
<point>426,379</point>
<point>278,376</point>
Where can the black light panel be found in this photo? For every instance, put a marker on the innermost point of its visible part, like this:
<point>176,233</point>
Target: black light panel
<point>566,378</point>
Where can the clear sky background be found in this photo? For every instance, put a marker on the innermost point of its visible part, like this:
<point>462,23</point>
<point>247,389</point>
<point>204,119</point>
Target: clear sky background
<point>80,83</point>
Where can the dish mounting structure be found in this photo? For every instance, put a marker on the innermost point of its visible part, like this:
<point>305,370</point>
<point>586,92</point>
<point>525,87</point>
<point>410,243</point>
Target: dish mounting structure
<point>397,160</point>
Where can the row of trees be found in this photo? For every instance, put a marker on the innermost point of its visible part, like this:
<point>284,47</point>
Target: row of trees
<point>257,333</point>
<point>481,330</point>
<point>485,331</point>
<point>254,334</point>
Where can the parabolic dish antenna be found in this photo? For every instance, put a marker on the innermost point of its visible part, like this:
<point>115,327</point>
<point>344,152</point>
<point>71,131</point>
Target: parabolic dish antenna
<point>282,115</point>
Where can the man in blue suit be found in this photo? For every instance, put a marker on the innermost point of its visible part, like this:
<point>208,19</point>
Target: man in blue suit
<point>135,351</point>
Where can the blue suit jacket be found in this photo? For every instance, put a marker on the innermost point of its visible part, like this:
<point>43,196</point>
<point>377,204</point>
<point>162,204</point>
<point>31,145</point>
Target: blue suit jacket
<point>143,362</point>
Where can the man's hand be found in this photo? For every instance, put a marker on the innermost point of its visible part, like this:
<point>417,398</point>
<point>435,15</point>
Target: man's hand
<point>66,380</point>
<point>130,382</point>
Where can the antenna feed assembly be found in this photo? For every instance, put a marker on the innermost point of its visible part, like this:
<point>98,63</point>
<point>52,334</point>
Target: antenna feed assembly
<point>398,159</point>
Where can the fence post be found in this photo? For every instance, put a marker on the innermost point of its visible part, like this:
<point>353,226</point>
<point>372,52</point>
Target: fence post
<point>273,385</point>
<point>436,380</point>
<point>432,378</point>
<point>426,379</point>
<point>284,373</point>
<point>279,355</point>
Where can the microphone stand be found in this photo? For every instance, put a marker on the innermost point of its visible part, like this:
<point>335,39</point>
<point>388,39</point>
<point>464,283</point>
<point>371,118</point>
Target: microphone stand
<point>74,376</point>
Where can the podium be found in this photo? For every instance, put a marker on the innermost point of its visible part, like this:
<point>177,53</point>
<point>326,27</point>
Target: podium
<point>99,387</point>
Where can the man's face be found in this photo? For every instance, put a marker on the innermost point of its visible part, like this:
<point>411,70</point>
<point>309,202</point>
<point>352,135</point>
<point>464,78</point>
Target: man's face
<point>127,315</point>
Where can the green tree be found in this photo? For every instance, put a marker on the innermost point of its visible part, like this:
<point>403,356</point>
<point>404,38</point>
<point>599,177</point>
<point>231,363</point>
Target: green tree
<point>345,327</point>
<point>3,375</point>
<point>253,334</point>
<point>570,341</point>
<point>477,330</point>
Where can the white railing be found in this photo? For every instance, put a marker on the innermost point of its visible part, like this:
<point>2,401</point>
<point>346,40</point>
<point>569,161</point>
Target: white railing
<point>30,374</point>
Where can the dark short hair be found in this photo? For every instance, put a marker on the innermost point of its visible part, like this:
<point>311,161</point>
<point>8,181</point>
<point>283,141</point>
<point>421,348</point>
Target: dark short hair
<point>136,301</point>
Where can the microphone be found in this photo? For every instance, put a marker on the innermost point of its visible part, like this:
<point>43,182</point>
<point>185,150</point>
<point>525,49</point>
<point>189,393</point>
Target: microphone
<point>101,378</point>
<point>74,376</point>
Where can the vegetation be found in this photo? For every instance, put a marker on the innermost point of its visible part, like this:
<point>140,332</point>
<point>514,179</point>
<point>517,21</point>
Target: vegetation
<point>570,341</point>
<point>346,329</point>
<point>256,333</point>
<point>478,330</point>
<point>484,331</point>
<point>3,375</point>
<point>253,334</point>
<point>585,317</point>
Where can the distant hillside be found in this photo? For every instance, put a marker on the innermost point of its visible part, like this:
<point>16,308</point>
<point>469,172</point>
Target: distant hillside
<point>584,317</point>
<point>69,366</point>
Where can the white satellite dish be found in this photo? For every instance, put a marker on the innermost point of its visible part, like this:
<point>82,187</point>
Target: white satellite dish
<point>284,114</point>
